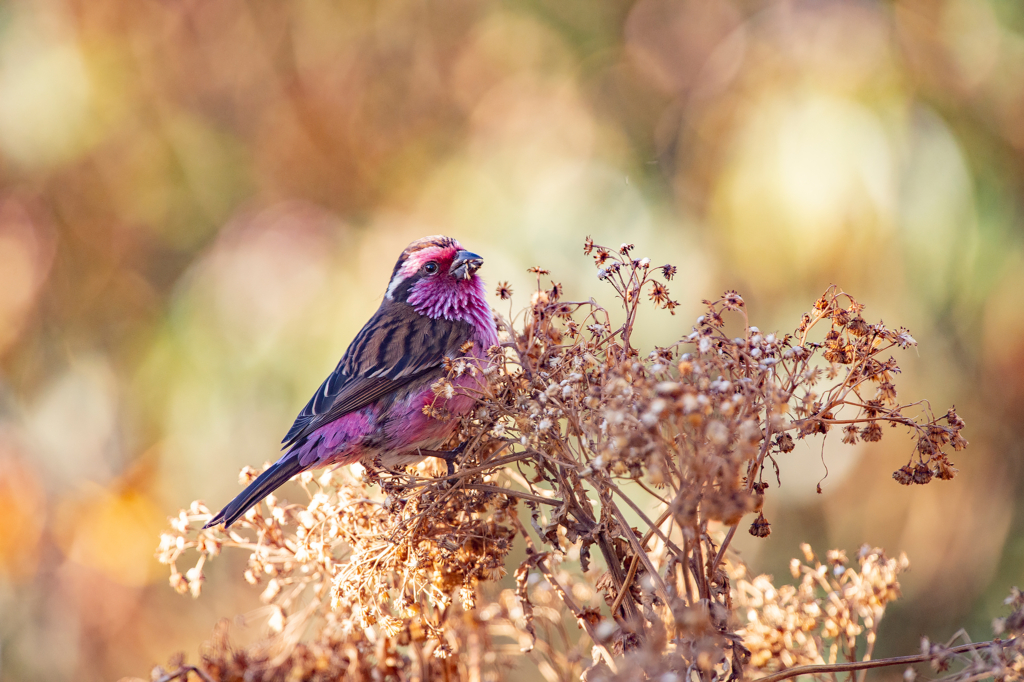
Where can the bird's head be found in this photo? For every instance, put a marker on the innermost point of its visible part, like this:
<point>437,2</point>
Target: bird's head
<point>438,277</point>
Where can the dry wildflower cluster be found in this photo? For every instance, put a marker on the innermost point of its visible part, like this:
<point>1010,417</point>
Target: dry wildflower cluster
<point>394,575</point>
<point>823,616</point>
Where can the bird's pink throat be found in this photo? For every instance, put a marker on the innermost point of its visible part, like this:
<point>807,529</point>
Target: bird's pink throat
<point>462,300</point>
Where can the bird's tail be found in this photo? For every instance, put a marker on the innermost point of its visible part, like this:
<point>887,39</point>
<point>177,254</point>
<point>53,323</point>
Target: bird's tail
<point>266,483</point>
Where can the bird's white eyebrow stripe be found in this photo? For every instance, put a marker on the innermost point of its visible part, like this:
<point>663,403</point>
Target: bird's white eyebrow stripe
<point>401,275</point>
<point>413,261</point>
<point>395,281</point>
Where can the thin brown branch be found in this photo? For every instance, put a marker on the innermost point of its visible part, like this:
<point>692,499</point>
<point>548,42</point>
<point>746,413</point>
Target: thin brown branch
<point>721,550</point>
<point>511,493</point>
<point>627,582</point>
<point>570,603</point>
<point>878,663</point>
<point>659,583</point>
<point>630,612</point>
<point>183,673</point>
<point>654,527</point>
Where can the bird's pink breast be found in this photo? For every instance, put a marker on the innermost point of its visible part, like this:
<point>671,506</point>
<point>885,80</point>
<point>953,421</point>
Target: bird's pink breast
<point>409,427</point>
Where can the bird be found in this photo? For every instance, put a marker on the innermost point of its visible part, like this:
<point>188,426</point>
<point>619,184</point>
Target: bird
<point>372,407</point>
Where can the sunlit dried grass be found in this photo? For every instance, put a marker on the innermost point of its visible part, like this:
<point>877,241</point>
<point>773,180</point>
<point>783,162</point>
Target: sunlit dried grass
<point>393,574</point>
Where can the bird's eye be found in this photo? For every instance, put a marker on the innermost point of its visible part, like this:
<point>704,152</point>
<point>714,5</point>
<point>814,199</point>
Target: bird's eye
<point>430,268</point>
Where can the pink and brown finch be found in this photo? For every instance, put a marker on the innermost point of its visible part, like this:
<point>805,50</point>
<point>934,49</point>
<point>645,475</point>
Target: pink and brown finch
<point>372,406</point>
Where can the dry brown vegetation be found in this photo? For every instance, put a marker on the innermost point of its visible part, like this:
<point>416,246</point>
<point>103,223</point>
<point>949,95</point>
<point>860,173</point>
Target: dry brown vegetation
<point>394,575</point>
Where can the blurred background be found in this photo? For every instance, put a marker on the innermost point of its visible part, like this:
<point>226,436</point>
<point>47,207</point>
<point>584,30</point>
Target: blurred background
<point>201,202</point>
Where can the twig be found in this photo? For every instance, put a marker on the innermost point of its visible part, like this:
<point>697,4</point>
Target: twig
<point>646,519</point>
<point>659,583</point>
<point>565,597</point>
<point>636,562</point>
<point>576,611</point>
<point>630,611</point>
<point>721,550</point>
<point>182,672</point>
<point>627,582</point>
<point>702,578</point>
<point>490,464</point>
<point>511,493</point>
<point>878,663</point>
<point>750,485</point>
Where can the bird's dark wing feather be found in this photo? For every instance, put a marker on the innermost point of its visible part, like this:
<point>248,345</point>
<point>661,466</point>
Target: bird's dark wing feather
<point>395,347</point>
<point>266,483</point>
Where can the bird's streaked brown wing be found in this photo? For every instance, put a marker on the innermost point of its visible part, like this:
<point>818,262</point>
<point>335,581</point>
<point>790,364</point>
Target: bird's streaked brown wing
<point>395,347</point>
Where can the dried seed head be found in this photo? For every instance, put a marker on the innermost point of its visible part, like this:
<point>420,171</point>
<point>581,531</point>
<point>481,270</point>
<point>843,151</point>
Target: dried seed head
<point>904,475</point>
<point>760,528</point>
<point>857,326</point>
<point>872,432</point>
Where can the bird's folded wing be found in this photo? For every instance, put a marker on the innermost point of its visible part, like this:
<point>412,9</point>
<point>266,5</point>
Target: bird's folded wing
<point>395,347</point>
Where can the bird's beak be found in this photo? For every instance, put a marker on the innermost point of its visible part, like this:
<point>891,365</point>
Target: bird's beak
<point>465,264</point>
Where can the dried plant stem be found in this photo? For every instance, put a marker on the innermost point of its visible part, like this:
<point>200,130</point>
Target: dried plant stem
<point>183,673</point>
<point>631,538</point>
<point>702,578</point>
<point>627,582</point>
<point>721,550</point>
<point>631,615</point>
<point>570,603</point>
<point>872,638</point>
<point>755,470</point>
<point>881,662</point>
<point>635,563</point>
<point>511,493</point>
<point>689,578</point>
<point>414,481</point>
<point>654,527</point>
<point>491,464</point>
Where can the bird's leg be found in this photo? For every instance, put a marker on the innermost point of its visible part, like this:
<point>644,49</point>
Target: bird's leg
<point>448,456</point>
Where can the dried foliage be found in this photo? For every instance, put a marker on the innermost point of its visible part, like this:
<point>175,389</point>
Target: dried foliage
<point>823,616</point>
<point>396,574</point>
